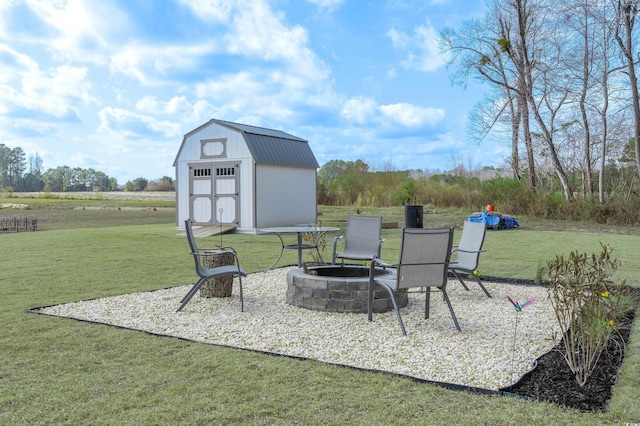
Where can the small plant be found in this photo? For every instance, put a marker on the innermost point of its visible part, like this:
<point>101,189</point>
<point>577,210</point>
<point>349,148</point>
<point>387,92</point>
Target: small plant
<point>475,275</point>
<point>589,304</point>
<point>317,239</point>
<point>540,273</point>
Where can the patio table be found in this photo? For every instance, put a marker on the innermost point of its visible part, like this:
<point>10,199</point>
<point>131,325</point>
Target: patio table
<point>300,230</point>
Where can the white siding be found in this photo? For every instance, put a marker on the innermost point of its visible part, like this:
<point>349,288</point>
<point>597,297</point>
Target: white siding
<point>285,196</point>
<point>282,196</point>
<point>236,150</point>
<point>182,193</point>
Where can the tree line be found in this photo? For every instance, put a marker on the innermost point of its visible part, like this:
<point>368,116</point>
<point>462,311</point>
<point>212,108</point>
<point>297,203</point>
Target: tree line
<point>22,173</point>
<point>353,183</point>
<point>564,87</point>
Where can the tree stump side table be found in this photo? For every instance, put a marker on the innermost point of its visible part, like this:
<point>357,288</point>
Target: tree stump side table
<point>221,286</point>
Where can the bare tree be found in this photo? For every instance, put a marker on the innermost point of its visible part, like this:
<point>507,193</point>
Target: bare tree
<point>553,67</point>
<point>475,53</point>
<point>603,38</point>
<point>536,53</point>
<point>627,10</point>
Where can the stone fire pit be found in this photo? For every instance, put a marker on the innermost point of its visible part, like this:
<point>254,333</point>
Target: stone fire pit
<point>337,288</point>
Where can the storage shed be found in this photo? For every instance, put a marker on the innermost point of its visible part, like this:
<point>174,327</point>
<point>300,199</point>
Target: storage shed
<point>251,177</point>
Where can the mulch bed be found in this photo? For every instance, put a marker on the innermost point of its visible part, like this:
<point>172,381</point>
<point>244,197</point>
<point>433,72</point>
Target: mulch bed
<point>552,380</point>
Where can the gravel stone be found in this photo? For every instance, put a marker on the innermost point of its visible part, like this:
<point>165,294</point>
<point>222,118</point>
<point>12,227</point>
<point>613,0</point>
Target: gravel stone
<point>494,349</point>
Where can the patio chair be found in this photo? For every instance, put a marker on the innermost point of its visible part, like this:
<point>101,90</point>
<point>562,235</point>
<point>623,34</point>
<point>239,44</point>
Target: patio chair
<point>363,241</point>
<point>206,273</point>
<point>424,261</point>
<point>468,253</point>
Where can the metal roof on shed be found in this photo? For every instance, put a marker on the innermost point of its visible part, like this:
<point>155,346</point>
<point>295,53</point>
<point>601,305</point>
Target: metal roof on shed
<point>268,146</point>
<point>277,151</point>
<point>276,147</point>
<point>245,128</point>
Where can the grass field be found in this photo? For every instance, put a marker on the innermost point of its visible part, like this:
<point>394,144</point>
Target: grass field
<point>61,371</point>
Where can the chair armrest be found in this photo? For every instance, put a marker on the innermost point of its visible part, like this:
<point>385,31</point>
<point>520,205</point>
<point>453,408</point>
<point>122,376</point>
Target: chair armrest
<point>382,240</point>
<point>467,251</point>
<point>379,262</point>
<point>335,245</point>
<point>218,248</point>
<point>229,250</point>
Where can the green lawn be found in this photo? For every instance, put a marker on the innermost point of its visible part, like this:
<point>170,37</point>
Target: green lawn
<point>56,370</point>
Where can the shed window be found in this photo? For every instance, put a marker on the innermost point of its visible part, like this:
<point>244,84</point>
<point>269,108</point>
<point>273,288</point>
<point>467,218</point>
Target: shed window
<point>213,148</point>
<point>226,171</point>
<point>201,172</point>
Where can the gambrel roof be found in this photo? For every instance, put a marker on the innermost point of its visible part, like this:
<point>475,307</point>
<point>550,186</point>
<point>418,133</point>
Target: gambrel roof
<point>268,146</point>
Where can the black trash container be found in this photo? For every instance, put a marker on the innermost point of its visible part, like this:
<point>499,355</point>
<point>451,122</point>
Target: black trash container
<point>413,216</point>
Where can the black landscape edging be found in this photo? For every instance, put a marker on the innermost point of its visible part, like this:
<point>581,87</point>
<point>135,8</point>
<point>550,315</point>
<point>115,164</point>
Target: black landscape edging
<point>446,385</point>
<point>505,391</point>
<point>509,390</point>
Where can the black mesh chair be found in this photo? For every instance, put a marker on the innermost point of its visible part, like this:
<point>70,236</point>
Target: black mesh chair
<point>424,262</point>
<point>206,273</point>
<point>363,241</point>
<point>468,253</point>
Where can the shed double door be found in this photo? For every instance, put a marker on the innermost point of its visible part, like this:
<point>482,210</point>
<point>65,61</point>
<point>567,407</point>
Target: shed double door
<point>214,197</point>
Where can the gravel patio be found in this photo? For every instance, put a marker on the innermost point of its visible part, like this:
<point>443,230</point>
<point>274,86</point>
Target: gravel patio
<point>489,353</point>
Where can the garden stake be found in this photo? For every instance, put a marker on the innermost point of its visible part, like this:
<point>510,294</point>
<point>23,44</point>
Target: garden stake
<point>220,210</point>
<point>518,308</point>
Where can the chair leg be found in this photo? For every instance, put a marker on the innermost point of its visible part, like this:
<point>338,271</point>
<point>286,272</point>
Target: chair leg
<point>395,306</point>
<point>482,286</point>
<point>453,314</point>
<point>370,302</point>
<point>241,298</point>
<point>459,279</point>
<point>191,293</point>
<point>427,302</point>
<point>393,301</point>
<point>333,254</point>
<point>199,284</point>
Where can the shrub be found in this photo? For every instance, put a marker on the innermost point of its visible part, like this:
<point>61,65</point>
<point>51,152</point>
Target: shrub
<point>588,304</point>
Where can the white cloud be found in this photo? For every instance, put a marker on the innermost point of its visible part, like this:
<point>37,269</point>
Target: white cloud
<point>175,105</point>
<point>235,88</point>
<point>326,4</point>
<point>271,93</point>
<point>117,121</point>
<point>280,71</point>
<point>150,64</point>
<point>78,28</point>
<point>412,116</point>
<point>61,91</point>
<point>121,81</point>
<point>13,63</point>
<point>421,47</point>
<point>56,92</point>
<point>257,31</point>
<point>362,110</point>
<point>219,10</point>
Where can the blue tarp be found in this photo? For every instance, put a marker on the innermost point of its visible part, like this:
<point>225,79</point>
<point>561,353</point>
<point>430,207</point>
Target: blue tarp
<point>495,220</point>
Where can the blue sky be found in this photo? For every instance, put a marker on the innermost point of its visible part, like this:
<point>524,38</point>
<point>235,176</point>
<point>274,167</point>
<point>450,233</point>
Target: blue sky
<point>115,84</point>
